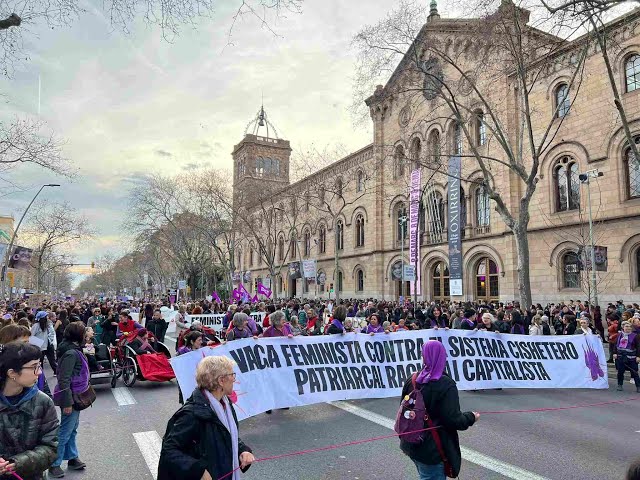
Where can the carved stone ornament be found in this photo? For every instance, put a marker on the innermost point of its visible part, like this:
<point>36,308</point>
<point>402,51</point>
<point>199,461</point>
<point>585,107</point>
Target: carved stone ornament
<point>465,84</point>
<point>433,77</point>
<point>405,116</point>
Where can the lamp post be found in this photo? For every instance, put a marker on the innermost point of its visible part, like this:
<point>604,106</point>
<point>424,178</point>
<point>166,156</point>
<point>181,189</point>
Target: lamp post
<point>13,237</point>
<point>585,178</point>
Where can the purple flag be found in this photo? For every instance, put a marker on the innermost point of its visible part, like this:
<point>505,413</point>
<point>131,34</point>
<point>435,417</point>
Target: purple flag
<point>262,290</point>
<point>255,299</point>
<point>237,294</point>
<point>216,297</point>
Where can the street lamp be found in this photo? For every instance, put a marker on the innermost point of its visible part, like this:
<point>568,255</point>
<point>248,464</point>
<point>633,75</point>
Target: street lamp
<point>585,178</point>
<point>15,231</point>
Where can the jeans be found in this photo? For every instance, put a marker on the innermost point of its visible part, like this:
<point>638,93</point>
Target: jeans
<point>67,449</point>
<point>624,363</point>
<point>430,472</point>
<point>50,353</point>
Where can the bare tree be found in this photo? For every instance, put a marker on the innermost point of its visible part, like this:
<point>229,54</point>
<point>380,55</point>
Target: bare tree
<point>52,229</point>
<point>20,17</point>
<point>23,142</point>
<point>499,56</point>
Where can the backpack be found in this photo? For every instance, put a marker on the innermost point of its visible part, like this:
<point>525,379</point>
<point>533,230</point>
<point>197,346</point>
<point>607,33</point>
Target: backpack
<point>410,424</point>
<point>546,330</point>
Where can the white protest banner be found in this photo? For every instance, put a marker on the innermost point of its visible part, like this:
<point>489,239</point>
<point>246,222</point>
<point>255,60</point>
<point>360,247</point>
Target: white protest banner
<point>309,268</point>
<point>215,320</point>
<point>38,342</point>
<point>170,316</point>
<point>282,372</point>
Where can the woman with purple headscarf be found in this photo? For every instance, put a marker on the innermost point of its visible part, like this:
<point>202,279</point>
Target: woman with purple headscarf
<point>441,402</point>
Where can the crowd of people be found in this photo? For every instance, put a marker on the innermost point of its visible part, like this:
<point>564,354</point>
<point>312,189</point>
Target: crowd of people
<point>67,335</point>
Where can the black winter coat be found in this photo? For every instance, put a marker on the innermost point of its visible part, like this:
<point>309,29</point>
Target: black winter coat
<point>442,403</point>
<point>197,441</point>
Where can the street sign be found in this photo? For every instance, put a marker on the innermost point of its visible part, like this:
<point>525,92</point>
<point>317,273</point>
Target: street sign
<point>182,284</point>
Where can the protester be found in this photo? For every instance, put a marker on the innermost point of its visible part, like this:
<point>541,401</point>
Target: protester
<point>278,326</point>
<point>339,316</point>
<point>486,323</point>
<point>536,325</point>
<point>240,327</point>
<point>44,331</point>
<point>627,355</point>
<point>442,404</point>
<point>141,344</point>
<point>192,341</point>
<point>60,325</point>
<point>28,420</point>
<point>72,369</point>
<point>297,329</point>
<point>202,441</point>
<point>634,470</point>
<point>374,325</point>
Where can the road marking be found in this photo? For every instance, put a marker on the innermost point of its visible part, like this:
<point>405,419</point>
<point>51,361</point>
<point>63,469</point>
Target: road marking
<point>170,339</point>
<point>123,396</point>
<point>150,444</point>
<point>490,463</point>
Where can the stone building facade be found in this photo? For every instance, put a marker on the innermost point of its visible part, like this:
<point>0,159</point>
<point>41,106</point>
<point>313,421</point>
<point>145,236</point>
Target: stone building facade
<point>409,134</point>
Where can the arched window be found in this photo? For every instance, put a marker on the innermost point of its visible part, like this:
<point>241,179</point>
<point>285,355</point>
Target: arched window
<point>434,147</point>
<point>307,243</point>
<point>280,213</point>
<point>570,270</point>
<point>487,287</point>
<point>483,214</point>
<point>359,230</point>
<point>339,187</point>
<point>632,72</point>
<point>339,235</point>
<point>463,212</point>
<point>434,206</point>
<point>416,151</point>
<point>632,168</point>
<point>340,283</point>
<point>281,249</point>
<point>398,162</point>
<point>360,182</point>
<point>239,264</point>
<point>251,256</point>
<point>440,282</point>
<point>359,281</point>
<point>479,128</point>
<point>292,247</point>
<point>455,139</point>
<point>562,100</point>
<point>307,201</point>
<point>401,222</point>
<point>322,239</point>
<point>567,185</point>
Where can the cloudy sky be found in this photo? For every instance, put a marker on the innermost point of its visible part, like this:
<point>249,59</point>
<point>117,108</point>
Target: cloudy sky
<point>130,104</point>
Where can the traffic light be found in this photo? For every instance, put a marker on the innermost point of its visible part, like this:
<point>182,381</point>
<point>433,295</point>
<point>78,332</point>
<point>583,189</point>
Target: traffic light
<point>93,264</point>
<point>331,287</point>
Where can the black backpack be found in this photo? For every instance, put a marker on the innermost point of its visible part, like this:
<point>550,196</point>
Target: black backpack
<point>546,330</point>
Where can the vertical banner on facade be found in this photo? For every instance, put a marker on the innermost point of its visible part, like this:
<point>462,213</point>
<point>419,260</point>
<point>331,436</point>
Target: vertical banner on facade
<point>414,214</point>
<point>455,223</point>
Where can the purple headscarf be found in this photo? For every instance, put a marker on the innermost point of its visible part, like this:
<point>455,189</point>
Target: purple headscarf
<point>434,357</point>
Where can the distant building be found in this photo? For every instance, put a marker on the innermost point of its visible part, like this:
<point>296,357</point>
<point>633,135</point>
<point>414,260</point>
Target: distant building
<point>371,236</point>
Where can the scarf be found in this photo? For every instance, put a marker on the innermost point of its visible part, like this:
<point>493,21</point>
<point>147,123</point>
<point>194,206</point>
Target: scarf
<point>434,357</point>
<point>245,333</point>
<point>338,324</point>
<point>371,329</point>
<point>225,416</point>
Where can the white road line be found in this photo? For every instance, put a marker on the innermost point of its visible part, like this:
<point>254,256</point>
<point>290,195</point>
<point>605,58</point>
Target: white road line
<point>490,463</point>
<point>150,444</point>
<point>123,396</point>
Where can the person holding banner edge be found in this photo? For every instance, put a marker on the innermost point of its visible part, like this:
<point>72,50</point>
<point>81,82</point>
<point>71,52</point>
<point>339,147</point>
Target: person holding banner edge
<point>442,405</point>
<point>626,354</point>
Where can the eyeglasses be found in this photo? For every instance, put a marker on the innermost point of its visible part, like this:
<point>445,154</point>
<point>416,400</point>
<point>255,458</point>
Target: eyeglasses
<point>35,368</point>
<point>230,375</point>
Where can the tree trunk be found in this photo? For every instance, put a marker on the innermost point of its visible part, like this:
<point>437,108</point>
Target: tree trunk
<point>522,253</point>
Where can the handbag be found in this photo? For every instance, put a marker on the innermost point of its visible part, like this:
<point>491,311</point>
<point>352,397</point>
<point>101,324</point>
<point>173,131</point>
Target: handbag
<point>85,397</point>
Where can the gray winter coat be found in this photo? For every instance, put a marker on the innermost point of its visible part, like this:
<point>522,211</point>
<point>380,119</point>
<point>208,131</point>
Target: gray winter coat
<point>29,434</point>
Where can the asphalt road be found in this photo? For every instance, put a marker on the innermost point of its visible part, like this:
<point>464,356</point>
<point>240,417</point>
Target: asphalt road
<point>119,437</point>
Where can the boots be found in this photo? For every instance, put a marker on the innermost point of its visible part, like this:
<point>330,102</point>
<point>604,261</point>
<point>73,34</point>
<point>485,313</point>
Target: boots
<point>619,388</point>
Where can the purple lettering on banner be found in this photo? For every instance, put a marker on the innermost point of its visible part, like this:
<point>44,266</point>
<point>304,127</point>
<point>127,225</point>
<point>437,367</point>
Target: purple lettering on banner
<point>414,214</point>
<point>262,290</point>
